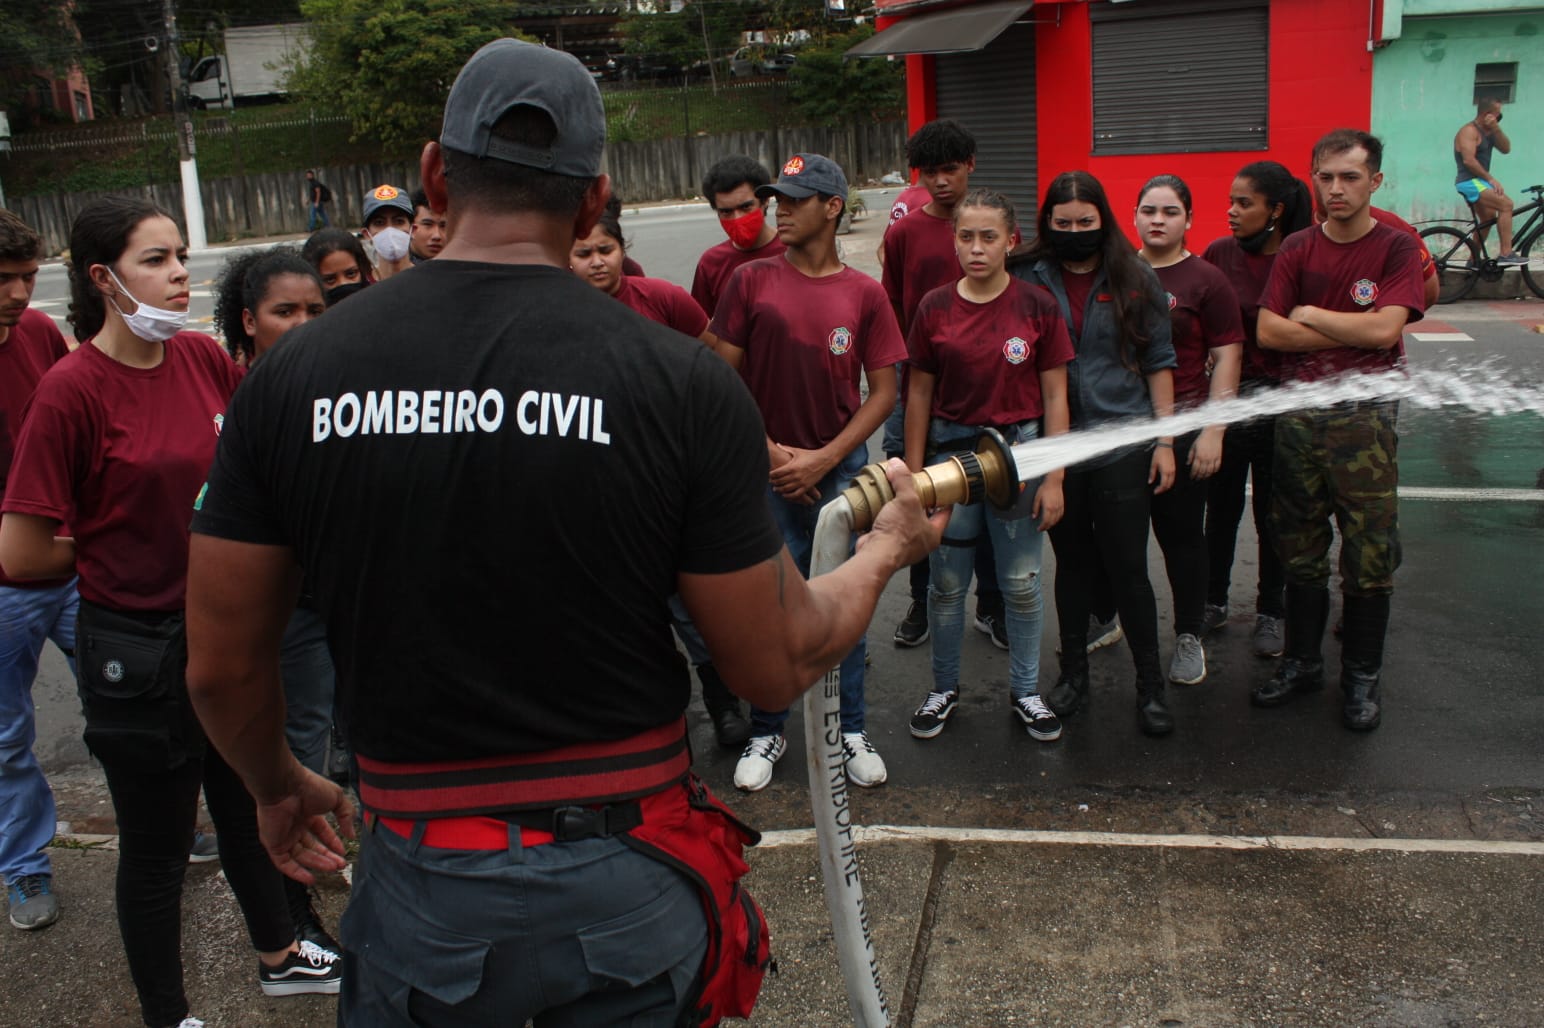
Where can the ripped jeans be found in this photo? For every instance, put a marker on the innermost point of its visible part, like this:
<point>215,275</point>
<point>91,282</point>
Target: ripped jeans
<point>1016,544</point>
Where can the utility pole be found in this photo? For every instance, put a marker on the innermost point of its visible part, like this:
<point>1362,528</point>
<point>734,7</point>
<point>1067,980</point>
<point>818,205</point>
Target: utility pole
<point>192,199</point>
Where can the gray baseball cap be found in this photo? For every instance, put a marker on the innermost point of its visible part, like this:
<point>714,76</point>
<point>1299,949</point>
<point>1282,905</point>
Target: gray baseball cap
<point>806,174</point>
<point>387,196</point>
<point>508,73</point>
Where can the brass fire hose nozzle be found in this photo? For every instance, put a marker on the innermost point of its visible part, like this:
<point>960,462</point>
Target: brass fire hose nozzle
<point>966,477</point>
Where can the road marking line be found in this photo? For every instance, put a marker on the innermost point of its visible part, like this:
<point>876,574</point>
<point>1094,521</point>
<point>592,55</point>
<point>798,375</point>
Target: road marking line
<point>1471,495</point>
<point>1442,337</point>
<point>905,833</point>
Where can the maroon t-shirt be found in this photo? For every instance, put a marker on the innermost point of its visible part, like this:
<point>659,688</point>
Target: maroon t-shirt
<point>806,342</point>
<point>1392,220</point>
<point>127,449</point>
<point>1203,313</point>
<point>1078,285</point>
<point>988,356</point>
<point>631,267</point>
<point>664,302</point>
<point>912,198</point>
<point>919,257</point>
<point>718,263</point>
<point>33,346</point>
<point>1247,274</point>
<point>1381,269</point>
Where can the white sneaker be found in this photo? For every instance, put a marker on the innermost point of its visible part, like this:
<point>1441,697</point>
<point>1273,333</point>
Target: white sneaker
<point>190,1022</point>
<point>864,766</point>
<point>754,771</point>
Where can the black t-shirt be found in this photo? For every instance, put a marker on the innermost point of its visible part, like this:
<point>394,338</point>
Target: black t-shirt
<point>492,475</point>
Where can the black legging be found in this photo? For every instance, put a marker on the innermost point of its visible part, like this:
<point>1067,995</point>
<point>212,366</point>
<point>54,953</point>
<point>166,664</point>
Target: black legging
<point>1248,449</point>
<point>1179,516</point>
<point>156,812</point>
<point>1105,526</point>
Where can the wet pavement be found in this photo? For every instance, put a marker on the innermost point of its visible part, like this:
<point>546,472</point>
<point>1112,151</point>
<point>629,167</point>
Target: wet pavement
<point>1222,876</point>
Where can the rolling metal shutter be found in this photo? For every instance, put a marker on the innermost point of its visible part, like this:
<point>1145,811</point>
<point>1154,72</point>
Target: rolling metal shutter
<point>992,93</point>
<point>1181,77</point>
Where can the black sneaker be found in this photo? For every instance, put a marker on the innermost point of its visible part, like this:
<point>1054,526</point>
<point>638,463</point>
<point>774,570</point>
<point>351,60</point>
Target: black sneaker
<point>309,929</point>
<point>312,970</point>
<point>1037,717</point>
<point>994,624</point>
<point>912,631</point>
<point>929,719</point>
<point>205,848</point>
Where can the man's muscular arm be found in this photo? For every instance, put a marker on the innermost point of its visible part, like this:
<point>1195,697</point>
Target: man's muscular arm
<point>773,635</point>
<point>1377,329</point>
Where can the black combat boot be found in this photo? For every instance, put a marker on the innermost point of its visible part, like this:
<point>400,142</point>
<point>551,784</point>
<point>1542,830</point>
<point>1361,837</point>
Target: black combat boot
<point>1302,669</point>
<point>1153,715</point>
<point>1361,660</point>
<point>1071,688</point>
<point>729,725</point>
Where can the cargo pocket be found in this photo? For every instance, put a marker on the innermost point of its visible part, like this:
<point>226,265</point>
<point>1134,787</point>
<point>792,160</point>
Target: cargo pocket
<point>672,925</point>
<point>422,957</point>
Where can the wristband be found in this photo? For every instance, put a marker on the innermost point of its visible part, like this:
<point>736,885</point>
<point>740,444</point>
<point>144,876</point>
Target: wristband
<point>1166,446</point>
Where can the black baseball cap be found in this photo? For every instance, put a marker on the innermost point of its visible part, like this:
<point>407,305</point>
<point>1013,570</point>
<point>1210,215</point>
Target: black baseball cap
<point>508,73</point>
<point>387,196</point>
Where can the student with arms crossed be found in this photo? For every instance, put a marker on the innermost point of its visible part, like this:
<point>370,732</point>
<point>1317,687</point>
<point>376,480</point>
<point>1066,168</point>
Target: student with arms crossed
<point>1338,300</point>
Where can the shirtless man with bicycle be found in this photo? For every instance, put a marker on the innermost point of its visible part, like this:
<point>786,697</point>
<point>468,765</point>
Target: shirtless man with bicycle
<point>1472,149</point>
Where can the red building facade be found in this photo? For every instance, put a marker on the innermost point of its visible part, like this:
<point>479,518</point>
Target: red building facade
<point>1128,90</point>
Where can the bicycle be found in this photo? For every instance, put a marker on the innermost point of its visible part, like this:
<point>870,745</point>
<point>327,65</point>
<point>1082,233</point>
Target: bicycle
<point>1462,258</point>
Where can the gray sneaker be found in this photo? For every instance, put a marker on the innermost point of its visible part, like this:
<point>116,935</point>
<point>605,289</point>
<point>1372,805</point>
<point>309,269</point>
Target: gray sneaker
<point>1213,617</point>
<point>1512,260</point>
<point>32,902</point>
<point>1103,633</point>
<point>1189,664</point>
<point>1269,640</point>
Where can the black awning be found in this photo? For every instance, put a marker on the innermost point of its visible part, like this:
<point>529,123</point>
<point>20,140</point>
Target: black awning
<point>955,31</point>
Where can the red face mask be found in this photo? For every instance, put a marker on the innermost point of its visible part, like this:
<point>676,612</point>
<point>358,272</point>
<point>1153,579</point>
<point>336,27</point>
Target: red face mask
<point>746,229</point>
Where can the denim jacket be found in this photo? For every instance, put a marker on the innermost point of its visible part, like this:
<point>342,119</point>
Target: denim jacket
<point>1100,388</point>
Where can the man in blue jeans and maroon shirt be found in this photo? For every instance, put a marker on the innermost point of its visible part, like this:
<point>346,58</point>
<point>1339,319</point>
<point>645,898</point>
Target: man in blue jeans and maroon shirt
<point>31,613</point>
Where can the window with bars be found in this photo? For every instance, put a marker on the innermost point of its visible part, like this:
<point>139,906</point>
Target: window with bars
<point>1495,81</point>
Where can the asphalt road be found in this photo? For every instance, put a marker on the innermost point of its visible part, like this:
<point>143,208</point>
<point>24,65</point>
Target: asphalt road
<point>1095,880</point>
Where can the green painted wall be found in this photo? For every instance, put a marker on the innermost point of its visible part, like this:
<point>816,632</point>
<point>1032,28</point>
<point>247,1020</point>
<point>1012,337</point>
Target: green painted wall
<point>1423,91</point>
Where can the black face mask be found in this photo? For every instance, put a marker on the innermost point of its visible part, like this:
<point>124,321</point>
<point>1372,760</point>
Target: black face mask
<point>1256,242</point>
<point>337,294</point>
<point>1075,246</point>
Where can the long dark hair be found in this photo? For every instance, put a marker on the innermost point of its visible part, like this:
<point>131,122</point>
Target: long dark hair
<point>332,240</point>
<point>1131,287</point>
<point>99,235</point>
<point>244,284</point>
<point>1280,186</point>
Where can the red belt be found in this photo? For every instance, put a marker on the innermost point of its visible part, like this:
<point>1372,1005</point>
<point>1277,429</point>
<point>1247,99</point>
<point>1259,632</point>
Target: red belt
<point>473,832</point>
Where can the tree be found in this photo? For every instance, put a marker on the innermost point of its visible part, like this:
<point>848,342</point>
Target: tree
<point>388,64</point>
<point>700,31</point>
<point>38,37</point>
<point>828,89</point>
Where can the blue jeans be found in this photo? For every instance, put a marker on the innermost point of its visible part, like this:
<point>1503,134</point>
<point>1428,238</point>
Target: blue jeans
<point>317,218</point>
<point>571,933</point>
<point>305,664</point>
<point>1016,547</point>
<point>28,619</point>
<point>797,523</point>
<point>696,647</point>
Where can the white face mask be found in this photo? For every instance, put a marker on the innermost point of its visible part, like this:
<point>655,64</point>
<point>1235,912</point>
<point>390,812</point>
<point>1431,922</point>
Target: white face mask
<point>390,244</point>
<point>152,324</point>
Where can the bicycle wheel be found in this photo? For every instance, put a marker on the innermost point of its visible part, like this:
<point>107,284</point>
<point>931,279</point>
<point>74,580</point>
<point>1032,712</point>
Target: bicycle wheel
<point>1533,271</point>
<point>1458,261</point>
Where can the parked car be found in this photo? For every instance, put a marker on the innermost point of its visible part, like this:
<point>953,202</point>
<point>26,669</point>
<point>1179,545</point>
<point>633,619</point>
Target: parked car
<point>751,61</point>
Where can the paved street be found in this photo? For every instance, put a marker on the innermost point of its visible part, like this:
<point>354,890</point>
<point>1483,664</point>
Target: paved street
<point>1392,878</point>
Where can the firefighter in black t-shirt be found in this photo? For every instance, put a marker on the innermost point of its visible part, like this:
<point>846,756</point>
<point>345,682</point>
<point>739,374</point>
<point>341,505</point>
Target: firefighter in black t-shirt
<point>464,511</point>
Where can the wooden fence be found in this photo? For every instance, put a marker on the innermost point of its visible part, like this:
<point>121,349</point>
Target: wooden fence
<point>275,204</point>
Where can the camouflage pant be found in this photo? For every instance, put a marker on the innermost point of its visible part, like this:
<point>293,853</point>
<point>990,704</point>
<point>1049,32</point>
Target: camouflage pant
<point>1341,462</point>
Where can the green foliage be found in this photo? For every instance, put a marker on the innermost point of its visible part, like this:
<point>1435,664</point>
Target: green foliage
<point>680,39</point>
<point>829,90</point>
<point>388,64</point>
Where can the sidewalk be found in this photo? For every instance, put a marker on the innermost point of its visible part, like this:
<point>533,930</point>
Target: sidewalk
<point>981,933</point>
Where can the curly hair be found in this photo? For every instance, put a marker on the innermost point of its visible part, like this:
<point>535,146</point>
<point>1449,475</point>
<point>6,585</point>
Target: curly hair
<point>243,285</point>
